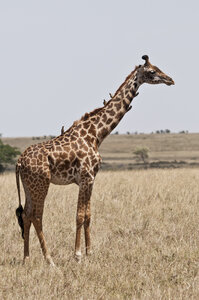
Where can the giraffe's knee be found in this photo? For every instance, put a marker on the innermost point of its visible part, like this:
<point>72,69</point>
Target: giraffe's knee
<point>80,219</point>
<point>87,219</point>
<point>25,218</point>
<point>37,222</point>
<point>26,226</point>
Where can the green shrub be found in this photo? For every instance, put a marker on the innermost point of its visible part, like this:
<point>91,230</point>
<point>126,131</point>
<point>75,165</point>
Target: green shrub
<point>7,155</point>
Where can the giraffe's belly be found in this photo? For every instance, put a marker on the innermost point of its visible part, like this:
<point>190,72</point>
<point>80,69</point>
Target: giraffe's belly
<point>62,179</point>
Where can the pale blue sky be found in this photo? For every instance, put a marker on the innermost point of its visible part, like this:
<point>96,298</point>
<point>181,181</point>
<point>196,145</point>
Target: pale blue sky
<point>60,59</point>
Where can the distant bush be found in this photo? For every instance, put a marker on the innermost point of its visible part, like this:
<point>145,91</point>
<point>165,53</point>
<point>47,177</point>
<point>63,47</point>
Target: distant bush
<point>163,131</point>
<point>142,154</point>
<point>184,131</point>
<point>7,155</point>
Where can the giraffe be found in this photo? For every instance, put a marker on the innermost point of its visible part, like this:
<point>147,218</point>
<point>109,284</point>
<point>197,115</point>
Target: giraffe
<point>73,157</point>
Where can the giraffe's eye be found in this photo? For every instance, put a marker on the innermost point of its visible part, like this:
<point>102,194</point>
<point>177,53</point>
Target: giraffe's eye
<point>152,72</point>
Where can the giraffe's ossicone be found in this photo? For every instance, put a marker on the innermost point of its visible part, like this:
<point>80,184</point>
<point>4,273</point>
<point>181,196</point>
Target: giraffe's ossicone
<point>73,157</point>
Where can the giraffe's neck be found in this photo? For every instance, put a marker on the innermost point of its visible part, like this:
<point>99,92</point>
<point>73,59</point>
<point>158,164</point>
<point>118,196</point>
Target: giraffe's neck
<point>109,116</point>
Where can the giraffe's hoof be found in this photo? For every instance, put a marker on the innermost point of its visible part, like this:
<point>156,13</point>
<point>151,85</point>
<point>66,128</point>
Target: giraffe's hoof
<point>26,260</point>
<point>78,258</point>
<point>50,261</point>
<point>88,252</point>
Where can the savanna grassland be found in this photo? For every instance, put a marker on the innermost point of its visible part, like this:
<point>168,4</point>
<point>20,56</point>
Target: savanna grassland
<point>145,239</point>
<point>165,150</point>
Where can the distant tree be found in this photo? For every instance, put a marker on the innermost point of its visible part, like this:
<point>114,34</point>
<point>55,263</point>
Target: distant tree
<point>7,155</point>
<point>142,154</point>
<point>184,131</point>
<point>167,131</point>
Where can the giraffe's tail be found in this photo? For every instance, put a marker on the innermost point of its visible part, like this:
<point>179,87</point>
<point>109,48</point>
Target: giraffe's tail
<point>20,209</point>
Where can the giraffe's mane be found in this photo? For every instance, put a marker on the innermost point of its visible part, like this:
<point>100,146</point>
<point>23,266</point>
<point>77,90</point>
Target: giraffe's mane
<point>83,118</point>
<point>97,110</point>
<point>127,78</point>
<point>91,114</point>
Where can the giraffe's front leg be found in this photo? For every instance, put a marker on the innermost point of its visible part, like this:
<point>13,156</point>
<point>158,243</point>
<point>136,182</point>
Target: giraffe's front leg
<point>79,223</point>
<point>87,228</point>
<point>37,222</point>
<point>83,216</point>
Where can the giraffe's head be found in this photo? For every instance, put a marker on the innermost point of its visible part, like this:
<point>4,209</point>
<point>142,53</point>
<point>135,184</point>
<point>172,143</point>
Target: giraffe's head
<point>153,75</point>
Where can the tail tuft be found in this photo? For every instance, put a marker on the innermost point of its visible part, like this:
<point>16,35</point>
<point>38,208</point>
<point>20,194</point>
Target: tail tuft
<point>19,212</point>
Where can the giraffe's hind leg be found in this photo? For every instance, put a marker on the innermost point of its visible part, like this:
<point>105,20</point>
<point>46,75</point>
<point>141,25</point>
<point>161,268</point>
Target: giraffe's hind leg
<point>38,206</point>
<point>26,216</point>
<point>27,224</point>
<point>36,192</point>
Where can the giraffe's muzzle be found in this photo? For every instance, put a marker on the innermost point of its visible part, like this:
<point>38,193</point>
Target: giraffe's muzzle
<point>169,81</point>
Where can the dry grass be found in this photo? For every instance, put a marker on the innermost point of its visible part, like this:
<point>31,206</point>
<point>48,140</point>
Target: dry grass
<point>145,240</point>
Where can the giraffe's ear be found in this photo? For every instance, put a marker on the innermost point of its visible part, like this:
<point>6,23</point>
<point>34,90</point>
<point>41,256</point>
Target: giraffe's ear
<point>146,58</point>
